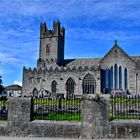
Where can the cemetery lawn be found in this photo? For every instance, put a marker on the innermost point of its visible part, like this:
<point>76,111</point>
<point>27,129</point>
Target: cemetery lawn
<point>55,102</point>
<point>74,117</point>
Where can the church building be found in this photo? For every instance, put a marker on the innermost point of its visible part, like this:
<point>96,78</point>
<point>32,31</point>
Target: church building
<point>54,75</point>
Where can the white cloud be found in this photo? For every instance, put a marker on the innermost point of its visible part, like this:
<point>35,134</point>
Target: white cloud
<point>18,83</point>
<point>72,8</point>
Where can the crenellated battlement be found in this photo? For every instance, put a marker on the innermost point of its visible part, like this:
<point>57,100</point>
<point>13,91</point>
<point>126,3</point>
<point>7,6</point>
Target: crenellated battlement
<point>61,69</point>
<point>57,30</point>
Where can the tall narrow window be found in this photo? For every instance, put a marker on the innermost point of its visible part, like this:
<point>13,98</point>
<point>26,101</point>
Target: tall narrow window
<point>88,84</point>
<point>54,87</point>
<point>31,80</point>
<point>120,77</point>
<point>39,80</point>
<point>111,78</point>
<point>125,79</point>
<point>116,76</point>
<point>106,78</point>
<point>35,92</point>
<point>70,85</point>
<point>102,80</point>
<point>47,49</point>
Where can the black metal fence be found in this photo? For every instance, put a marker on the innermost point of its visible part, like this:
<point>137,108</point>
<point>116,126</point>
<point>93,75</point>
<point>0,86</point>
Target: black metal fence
<point>3,108</point>
<point>56,109</point>
<point>125,107</point>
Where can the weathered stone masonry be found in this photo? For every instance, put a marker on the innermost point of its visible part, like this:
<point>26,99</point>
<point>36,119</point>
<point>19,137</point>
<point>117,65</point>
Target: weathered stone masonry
<point>95,123</point>
<point>115,71</point>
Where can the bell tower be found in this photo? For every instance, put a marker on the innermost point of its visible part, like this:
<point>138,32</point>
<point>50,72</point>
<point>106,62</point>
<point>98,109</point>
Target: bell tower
<point>51,49</point>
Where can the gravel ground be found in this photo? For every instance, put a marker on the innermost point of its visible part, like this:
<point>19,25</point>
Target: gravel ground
<point>39,138</point>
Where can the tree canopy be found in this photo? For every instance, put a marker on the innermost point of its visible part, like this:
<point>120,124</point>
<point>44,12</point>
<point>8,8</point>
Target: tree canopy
<point>1,86</point>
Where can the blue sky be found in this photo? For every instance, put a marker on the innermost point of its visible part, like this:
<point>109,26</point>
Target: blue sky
<point>91,28</point>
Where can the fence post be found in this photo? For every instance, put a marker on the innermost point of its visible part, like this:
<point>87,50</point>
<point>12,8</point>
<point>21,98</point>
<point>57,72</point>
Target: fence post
<point>19,109</point>
<point>95,115</point>
<point>19,116</point>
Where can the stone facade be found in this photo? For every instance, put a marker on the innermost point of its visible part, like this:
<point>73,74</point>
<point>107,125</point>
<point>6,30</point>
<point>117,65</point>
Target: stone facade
<point>94,125</point>
<point>55,75</point>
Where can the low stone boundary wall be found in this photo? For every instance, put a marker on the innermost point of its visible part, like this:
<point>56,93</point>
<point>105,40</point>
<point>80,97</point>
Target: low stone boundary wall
<point>124,129</point>
<point>55,129</point>
<point>95,122</point>
<point>41,128</point>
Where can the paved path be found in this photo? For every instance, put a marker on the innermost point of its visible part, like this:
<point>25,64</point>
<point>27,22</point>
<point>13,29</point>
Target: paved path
<point>39,138</point>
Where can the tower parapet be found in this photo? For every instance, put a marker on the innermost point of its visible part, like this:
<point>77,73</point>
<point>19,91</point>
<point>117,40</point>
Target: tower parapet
<point>57,30</point>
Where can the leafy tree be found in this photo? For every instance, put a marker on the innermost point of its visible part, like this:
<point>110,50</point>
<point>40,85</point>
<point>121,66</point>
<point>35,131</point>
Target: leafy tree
<point>1,86</point>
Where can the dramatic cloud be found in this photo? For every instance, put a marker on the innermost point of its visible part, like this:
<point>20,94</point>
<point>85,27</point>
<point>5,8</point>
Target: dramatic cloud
<point>91,27</point>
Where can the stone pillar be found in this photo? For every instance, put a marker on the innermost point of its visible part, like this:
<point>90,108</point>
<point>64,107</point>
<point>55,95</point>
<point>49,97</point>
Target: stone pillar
<point>19,109</point>
<point>95,113</point>
<point>19,116</point>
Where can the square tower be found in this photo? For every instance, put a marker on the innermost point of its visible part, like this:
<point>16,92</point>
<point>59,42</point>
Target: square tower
<point>51,45</point>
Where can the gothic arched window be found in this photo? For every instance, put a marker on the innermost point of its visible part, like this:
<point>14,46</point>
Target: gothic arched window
<point>125,78</point>
<point>106,78</point>
<point>35,92</point>
<point>70,85</point>
<point>111,77</point>
<point>88,84</point>
<point>116,76</point>
<point>47,49</point>
<point>120,77</point>
<point>54,87</point>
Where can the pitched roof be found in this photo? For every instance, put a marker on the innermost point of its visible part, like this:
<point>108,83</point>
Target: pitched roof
<point>82,62</point>
<point>117,47</point>
<point>13,87</point>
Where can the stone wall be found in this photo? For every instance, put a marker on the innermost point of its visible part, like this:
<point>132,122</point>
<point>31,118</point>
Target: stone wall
<point>95,122</point>
<point>117,56</point>
<point>127,129</point>
<point>61,76</point>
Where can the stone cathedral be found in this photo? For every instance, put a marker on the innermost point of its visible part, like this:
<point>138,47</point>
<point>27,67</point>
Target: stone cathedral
<point>55,76</point>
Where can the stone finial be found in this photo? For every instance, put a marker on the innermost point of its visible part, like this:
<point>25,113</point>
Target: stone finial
<point>116,43</point>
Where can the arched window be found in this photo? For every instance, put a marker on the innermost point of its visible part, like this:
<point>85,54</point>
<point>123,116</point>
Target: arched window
<point>35,92</point>
<point>31,80</point>
<point>47,49</point>
<point>106,78</point>
<point>120,77</point>
<point>70,85</point>
<point>88,84</point>
<point>111,78</point>
<point>116,76</point>
<point>54,85</point>
<point>125,78</point>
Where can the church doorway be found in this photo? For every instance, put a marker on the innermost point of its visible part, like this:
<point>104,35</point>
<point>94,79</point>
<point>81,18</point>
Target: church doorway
<point>88,84</point>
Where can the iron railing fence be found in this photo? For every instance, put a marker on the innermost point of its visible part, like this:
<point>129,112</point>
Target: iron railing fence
<point>125,107</point>
<point>56,109</point>
<point>3,108</point>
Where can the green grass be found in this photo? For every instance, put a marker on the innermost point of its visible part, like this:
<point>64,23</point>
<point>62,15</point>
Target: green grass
<point>124,100</point>
<point>4,120</point>
<point>3,103</point>
<point>123,117</point>
<point>74,117</point>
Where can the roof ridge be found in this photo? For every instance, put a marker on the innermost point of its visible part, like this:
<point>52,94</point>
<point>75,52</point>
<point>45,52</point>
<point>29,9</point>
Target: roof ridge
<point>116,45</point>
